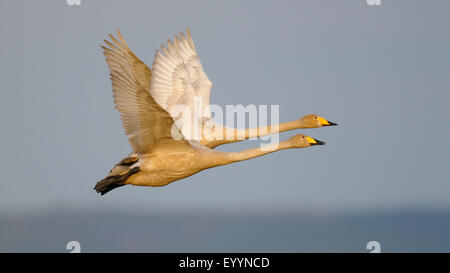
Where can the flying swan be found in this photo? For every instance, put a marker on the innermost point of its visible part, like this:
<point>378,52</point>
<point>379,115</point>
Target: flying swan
<point>163,148</point>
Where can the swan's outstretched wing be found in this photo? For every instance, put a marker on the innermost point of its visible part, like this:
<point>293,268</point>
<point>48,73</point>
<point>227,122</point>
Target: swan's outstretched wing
<point>119,54</point>
<point>147,124</point>
<point>178,78</point>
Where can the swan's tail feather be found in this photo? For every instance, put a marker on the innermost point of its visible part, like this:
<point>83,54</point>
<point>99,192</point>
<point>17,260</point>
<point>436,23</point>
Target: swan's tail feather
<point>116,178</point>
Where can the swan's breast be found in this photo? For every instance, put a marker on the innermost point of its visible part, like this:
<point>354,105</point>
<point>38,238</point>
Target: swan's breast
<point>162,169</point>
<point>169,162</point>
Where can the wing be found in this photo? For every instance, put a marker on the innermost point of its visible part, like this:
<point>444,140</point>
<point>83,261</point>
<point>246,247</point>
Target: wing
<point>147,124</point>
<point>119,54</point>
<point>178,78</point>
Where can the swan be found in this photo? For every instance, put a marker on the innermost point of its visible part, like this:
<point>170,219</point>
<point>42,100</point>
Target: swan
<point>147,101</point>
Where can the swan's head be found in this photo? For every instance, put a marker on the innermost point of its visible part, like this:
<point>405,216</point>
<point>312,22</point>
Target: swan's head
<point>315,121</point>
<point>302,141</point>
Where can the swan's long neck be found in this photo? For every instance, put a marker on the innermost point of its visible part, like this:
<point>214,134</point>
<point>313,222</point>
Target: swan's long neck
<point>247,133</point>
<point>230,135</point>
<point>256,152</point>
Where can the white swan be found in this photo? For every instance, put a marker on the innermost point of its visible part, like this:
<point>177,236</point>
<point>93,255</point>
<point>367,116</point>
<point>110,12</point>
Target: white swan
<point>147,101</point>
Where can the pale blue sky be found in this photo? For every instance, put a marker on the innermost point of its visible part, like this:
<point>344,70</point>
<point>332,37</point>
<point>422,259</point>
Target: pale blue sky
<point>381,72</point>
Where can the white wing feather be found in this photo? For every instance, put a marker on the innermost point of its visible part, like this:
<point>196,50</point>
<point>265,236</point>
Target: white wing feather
<point>178,77</point>
<point>148,126</point>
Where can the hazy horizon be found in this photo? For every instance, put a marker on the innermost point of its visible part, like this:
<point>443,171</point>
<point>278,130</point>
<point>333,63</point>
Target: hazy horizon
<point>131,231</point>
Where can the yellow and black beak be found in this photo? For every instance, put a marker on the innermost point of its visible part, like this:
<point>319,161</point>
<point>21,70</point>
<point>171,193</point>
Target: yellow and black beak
<point>331,124</point>
<point>325,122</point>
<point>313,141</point>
